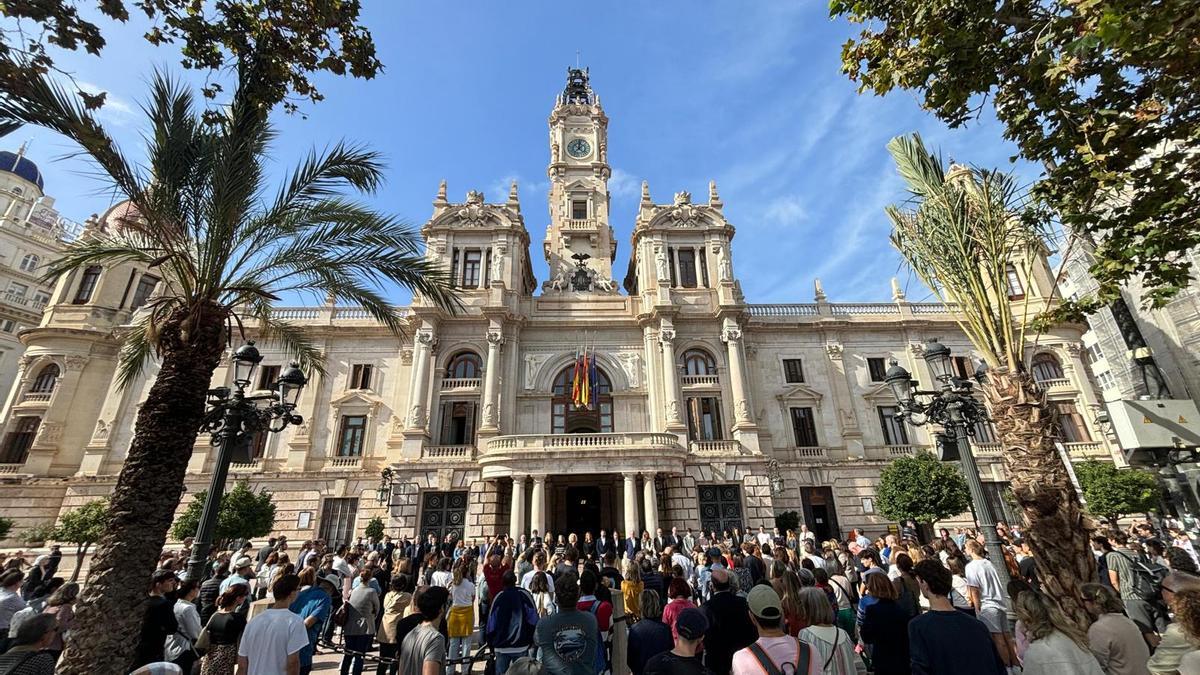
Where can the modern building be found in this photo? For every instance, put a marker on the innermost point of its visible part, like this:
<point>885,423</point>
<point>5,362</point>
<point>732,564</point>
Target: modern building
<point>32,233</point>
<point>707,411</point>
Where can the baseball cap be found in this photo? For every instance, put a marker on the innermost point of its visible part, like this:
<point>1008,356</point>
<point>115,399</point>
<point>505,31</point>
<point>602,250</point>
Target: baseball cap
<point>241,562</point>
<point>764,602</point>
<point>691,624</point>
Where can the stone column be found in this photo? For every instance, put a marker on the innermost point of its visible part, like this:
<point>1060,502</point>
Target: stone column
<point>651,357</point>
<point>649,496</point>
<point>732,335</point>
<point>517,519</point>
<point>537,511</point>
<point>631,509</point>
<point>666,336</point>
<point>491,377</point>
<point>418,417</point>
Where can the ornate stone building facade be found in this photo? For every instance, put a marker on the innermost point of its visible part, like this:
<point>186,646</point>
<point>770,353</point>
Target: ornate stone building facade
<point>702,398</point>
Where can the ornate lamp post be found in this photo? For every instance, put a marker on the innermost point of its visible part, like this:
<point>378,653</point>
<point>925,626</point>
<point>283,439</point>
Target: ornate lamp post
<point>387,479</point>
<point>956,410</point>
<point>233,419</point>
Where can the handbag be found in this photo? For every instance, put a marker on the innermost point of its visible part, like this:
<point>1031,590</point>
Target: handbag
<point>341,615</point>
<point>203,641</point>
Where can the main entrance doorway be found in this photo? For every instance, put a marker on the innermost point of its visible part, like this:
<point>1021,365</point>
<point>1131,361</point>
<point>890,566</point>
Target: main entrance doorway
<point>819,512</point>
<point>583,509</point>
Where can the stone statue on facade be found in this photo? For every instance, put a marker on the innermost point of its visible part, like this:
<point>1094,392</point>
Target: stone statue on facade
<point>660,264</point>
<point>724,266</point>
<point>498,265</point>
<point>672,411</point>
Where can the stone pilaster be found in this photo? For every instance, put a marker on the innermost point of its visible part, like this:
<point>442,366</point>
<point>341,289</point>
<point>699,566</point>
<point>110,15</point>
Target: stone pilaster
<point>650,499</point>
<point>629,481</point>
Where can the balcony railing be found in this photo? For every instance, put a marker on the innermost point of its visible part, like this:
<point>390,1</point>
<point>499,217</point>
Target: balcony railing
<point>891,451</point>
<point>448,452</point>
<point>11,468</point>
<point>1086,449</point>
<point>343,463</point>
<point>988,449</point>
<point>579,224</point>
<point>802,453</point>
<point>246,467</point>
<point>716,448</point>
<point>864,308</point>
<point>796,309</point>
<point>36,396</point>
<point>700,380</point>
<point>460,383</point>
<point>1055,383</point>
<point>569,442</point>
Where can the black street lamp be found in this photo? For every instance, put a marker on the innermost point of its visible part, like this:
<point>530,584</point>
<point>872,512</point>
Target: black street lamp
<point>957,411</point>
<point>387,478</point>
<point>233,419</point>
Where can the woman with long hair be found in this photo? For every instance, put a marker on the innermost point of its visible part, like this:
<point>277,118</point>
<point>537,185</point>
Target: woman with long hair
<point>908,591</point>
<point>959,592</point>
<point>884,627</point>
<point>397,600</point>
<point>680,596</point>
<point>843,593</point>
<point>631,589</point>
<point>1115,640</point>
<point>787,586</point>
<point>62,605</point>
<point>460,622</point>
<point>543,599</point>
<point>832,648</point>
<point>362,609</point>
<point>1056,645</point>
<point>224,632</point>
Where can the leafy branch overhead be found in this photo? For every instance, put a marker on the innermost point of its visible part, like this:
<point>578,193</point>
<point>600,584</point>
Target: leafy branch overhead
<point>922,489</point>
<point>273,45</point>
<point>1103,95</point>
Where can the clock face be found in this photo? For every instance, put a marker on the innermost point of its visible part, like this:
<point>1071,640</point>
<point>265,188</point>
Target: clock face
<point>579,148</point>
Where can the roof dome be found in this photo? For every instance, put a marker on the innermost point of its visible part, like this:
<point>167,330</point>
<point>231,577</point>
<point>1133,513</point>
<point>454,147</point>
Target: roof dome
<point>22,166</point>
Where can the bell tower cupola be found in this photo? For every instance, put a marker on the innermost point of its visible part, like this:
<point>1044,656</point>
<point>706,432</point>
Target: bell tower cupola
<point>579,244</point>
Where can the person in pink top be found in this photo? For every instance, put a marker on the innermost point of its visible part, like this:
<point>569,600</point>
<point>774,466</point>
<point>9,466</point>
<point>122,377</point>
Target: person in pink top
<point>62,606</point>
<point>680,595</point>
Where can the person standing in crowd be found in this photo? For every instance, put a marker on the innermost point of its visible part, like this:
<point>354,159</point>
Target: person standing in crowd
<point>832,648</point>
<point>885,627</point>
<point>243,574</point>
<point>945,641</point>
<point>359,632</point>
<point>395,603</point>
<point>987,598</point>
<point>28,653</point>
<point>774,648</point>
<point>1115,640</point>
<point>210,590</point>
<point>511,623</point>
<point>179,645</point>
<point>225,629</point>
<point>1175,643</point>
<point>272,642</point>
<point>683,658</point>
<point>10,602</point>
<point>1134,588</point>
<point>1056,646</point>
<point>543,596</point>
<point>730,627</point>
<point>313,605</point>
<point>680,599</point>
<point>1187,615</point>
<point>423,650</point>
<point>649,636</point>
<point>159,621</point>
<point>461,620</point>
<point>568,640</point>
<point>62,606</point>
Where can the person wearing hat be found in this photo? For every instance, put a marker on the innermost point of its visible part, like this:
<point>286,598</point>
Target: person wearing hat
<point>159,621</point>
<point>775,651</point>
<point>730,627</point>
<point>243,573</point>
<point>314,605</point>
<point>690,626</point>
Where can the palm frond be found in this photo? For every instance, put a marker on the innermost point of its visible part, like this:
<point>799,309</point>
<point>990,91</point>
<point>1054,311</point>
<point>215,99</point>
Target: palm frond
<point>137,347</point>
<point>292,339</point>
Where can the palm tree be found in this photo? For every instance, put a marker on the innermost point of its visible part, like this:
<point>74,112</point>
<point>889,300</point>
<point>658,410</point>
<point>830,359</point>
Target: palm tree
<point>202,213</point>
<point>959,234</point>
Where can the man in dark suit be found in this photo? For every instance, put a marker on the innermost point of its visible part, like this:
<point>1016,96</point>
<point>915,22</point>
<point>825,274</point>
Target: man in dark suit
<point>729,627</point>
<point>660,542</point>
<point>631,546</point>
<point>604,545</point>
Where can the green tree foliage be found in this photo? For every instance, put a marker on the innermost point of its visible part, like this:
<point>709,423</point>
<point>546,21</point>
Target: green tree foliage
<point>374,531</point>
<point>5,527</point>
<point>788,520</point>
<point>274,44</point>
<point>1102,94</point>
<point>1113,492</point>
<point>921,488</point>
<point>244,514</point>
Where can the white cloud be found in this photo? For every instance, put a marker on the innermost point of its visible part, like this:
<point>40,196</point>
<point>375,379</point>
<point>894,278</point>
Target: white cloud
<point>497,192</point>
<point>623,184</point>
<point>786,210</point>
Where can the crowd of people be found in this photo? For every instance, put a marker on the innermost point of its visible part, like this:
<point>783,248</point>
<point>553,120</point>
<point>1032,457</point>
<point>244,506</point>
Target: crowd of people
<point>755,603</point>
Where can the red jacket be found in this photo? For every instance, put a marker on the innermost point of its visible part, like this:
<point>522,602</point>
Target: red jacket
<point>603,612</point>
<point>494,577</point>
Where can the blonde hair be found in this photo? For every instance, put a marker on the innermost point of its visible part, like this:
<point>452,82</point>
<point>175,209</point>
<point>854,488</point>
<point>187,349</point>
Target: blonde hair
<point>1042,617</point>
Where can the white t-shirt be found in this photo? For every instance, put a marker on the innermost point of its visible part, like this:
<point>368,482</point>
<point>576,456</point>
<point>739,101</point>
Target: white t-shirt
<point>527,579</point>
<point>441,578</point>
<point>981,574</point>
<point>958,592</point>
<point>270,638</point>
<point>463,595</point>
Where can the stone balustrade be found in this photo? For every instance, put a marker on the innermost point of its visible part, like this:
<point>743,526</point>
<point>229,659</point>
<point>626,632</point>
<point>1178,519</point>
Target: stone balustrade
<point>864,308</point>
<point>893,451</point>
<point>988,449</point>
<point>803,453</point>
<point>328,315</point>
<point>579,224</point>
<point>36,396</point>
<point>452,383</point>
<point>533,454</point>
<point>716,448</point>
<point>252,466</point>
<point>700,380</point>
<point>1087,449</point>
<point>1058,383</point>
<point>11,468</point>
<point>463,452</point>
<point>550,442</point>
<point>793,309</point>
<point>343,463</point>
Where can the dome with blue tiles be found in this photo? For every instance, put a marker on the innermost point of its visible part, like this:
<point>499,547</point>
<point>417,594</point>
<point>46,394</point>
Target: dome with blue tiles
<point>19,164</point>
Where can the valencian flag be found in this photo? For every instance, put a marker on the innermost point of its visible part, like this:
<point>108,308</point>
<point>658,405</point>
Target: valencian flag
<point>583,379</point>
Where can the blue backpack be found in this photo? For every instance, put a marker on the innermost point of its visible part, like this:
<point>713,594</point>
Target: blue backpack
<point>601,652</point>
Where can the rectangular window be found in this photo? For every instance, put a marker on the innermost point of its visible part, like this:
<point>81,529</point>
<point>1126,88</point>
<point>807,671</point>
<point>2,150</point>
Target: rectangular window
<point>961,367</point>
<point>17,290</point>
<point>258,444</point>
<point>877,366</point>
<point>1016,291</point>
<point>145,286</point>
<point>360,376</point>
<point>267,377</point>
<point>579,209</point>
<point>41,299</point>
<point>558,421</point>
<point>894,431</point>
<point>1094,353</point>
<point>703,268</point>
<point>984,433</point>
<point>1074,429</point>
<point>1106,379</point>
<point>458,423</point>
<point>793,371</point>
<point>704,418</point>
<point>487,268</point>
<point>454,268</point>
<point>471,265</point>
<point>671,262</point>
<point>16,444</point>
<point>87,285</point>
<point>805,427</point>
<point>337,521</point>
<point>353,433</point>
<point>687,268</point>
<point>8,325</point>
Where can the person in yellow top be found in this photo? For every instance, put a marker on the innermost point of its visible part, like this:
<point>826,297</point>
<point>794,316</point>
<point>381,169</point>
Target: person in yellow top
<point>631,589</point>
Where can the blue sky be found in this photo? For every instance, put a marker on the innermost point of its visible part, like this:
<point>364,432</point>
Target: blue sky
<point>747,94</point>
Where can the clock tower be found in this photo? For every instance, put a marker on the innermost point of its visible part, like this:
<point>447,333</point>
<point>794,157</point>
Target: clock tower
<point>579,245</point>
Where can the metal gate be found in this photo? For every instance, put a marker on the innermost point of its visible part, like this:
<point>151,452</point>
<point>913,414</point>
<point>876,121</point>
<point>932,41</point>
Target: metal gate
<point>443,513</point>
<point>720,507</point>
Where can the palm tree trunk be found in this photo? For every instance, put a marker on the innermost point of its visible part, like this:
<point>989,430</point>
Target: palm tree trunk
<point>111,607</point>
<point>1057,529</point>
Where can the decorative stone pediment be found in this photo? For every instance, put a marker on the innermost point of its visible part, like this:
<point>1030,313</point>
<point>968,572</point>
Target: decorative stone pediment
<point>357,399</point>
<point>880,393</point>
<point>800,392</point>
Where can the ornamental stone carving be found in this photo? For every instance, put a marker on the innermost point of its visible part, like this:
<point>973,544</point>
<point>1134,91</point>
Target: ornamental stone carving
<point>632,362</point>
<point>672,411</point>
<point>489,414</point>
<point>533,363</point>
<point>660,264</point>
<point>743,410</point>
<point>397,424</point>
<point>75,362</point>
<point>475,213</point>
<point>683,197</point>
<point>498,264</point>
<point>834,350</point>
<point>416,417</point>
<point>406,356</point>
<point>425,337</point>
<point>724,265</point>
<point>50,433</point>
<point>1075,349</point>
<point>731,334</point>
<point>666,335</point>
<point>683,213</point>
<point>917,349</point>
<point>101,431</point>
<point>495,337</point>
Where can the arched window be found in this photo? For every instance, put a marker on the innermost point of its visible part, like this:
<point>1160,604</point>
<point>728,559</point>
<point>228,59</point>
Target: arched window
<point>46,379</point>
<point>698,362</point>
<point>566,418</point>
<point>1046,367</point>
<point>464,365</point>
<point>30,262</point>
<point>87,285</point>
